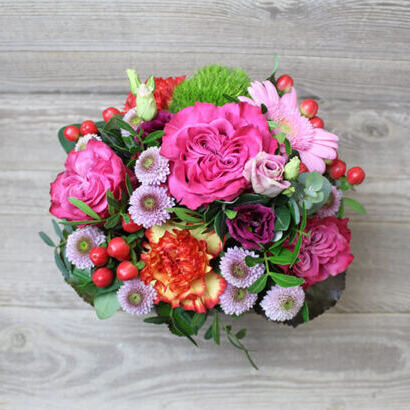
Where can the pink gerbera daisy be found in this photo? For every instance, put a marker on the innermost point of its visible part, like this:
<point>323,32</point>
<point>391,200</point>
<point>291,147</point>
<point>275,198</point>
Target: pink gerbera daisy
<point>313,144</point>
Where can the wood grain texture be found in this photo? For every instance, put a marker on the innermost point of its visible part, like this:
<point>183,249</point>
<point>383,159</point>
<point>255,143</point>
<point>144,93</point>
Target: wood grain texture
<point>64,359</point>
<point>350,50</point>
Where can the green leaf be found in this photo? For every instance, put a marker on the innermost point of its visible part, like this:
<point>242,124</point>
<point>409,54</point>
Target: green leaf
<point>220,225</point>
<point>140,265</point>
<point>82,206</point>
<point>208,333</point>
<point>183,321</point>
<point>198,320</point>
<point>186,215</point>
<point>106,305</point>
<point>85,222</point>
<point>251,261</point>
<point>286,281</point>
<point>157,320</point>
<point>355,206</point>
<point>241,334</point>
<point>128,184</point>
<point>215,329</point>
<point>305,312</point>
<point>112,221</point>
<point>294,210</point>
<point>57,229</point>
<point>284,257</point>
<point>314,180</point>
<point>46,239</point>
<point>341,210</point>
<point>67,145</point>
<point>282,220</point>
<point>258,285</point>
<point>230,213</point>
<point>60,264</point>
<point>288,147</point>
<point>296,251</point>
<point>153,136</point>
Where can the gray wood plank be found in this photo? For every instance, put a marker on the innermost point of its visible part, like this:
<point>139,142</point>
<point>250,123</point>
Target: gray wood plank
<point>63,359</point>
<point>365,29</point>
<point>372,134</point>
<point>103,72</point>
<point>377,280</point>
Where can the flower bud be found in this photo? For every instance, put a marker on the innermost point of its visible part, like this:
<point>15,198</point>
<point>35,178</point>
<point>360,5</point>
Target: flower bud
<point>292,168</point>
<point>146,104</point>
<point>289,191</point>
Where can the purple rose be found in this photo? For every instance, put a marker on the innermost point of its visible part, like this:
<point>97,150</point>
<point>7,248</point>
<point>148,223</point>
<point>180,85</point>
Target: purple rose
<point>252,225</point>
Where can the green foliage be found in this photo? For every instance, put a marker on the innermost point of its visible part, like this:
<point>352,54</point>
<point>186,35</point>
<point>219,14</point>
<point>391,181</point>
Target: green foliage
<point>106,305</point>
<point>214,84</point>
<point>355,206</point>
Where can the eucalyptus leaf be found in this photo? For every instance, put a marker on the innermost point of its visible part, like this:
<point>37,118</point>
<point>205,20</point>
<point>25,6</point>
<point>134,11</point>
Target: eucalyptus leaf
<point>106,305</point>
<point>46,239</point>
<point>282,221</point>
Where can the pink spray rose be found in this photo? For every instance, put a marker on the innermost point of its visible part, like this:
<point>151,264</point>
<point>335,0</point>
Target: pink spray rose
<point>88,175</point>
<point>325,252</point>
<point>208,148</point>
<point>265,173</point>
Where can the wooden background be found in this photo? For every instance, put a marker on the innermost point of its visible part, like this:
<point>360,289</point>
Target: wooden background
<point>64,61</point>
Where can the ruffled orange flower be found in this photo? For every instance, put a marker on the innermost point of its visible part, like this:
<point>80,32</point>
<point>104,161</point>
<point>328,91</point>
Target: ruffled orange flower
<point>177,265</point>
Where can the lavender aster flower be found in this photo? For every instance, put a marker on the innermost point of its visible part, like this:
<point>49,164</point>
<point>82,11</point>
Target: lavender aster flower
<point>152,168</point>
<point>79,244</point>
<point>235,301</point>
<point>148,205</point>
<point>234,269</point>
<point>136,298</point>
<point>283,303</point>
<point>331,207</point>
<point>83,141</point>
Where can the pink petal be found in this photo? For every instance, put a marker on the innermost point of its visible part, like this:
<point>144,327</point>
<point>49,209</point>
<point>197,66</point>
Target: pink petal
<point>313,162</point>
<point>290,99</point>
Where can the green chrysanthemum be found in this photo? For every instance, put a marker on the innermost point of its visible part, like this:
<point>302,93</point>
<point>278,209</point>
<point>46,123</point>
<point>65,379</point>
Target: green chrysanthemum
<point>210,84</point>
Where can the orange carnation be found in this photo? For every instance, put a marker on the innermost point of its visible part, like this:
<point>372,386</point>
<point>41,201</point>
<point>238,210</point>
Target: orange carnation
<point>177,265</point>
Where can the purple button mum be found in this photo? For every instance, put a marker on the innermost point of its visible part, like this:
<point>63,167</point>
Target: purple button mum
<point>136,298</point>
<point>282,304</point>
<point>235,301</point>
<point>252,225</point>
<point>234,269</point>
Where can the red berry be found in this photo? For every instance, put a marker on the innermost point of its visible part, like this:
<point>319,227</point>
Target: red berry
<point>337,169</point>
<point>109,112</point>
<point>284,83</point>
<point>88,127</point>
<point>102,277</point>
<point>130,227</point>
<point>317,122</point>
<point>99,256</point>
<point>72,133</point>
<point>118,248</point>
<point>308,108</point>
<point>355,176</point>
<point>126,271</point>
<point>303,168</point>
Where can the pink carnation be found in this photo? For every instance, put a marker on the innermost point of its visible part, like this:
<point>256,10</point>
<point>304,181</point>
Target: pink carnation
<point>325,252</point>
<point>208,148</point>
<point>88,175</point>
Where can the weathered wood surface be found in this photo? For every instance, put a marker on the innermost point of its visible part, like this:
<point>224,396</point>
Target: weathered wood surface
<point>64,359</point>
<point>352,56</point>
<point>360,47</point>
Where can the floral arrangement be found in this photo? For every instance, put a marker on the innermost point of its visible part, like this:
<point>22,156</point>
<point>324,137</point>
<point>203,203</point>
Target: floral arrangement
<point>205,196</point>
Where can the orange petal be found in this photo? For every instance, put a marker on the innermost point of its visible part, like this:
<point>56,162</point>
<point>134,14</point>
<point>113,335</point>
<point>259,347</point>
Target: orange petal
<point>214,244</point>
<point>215,286</point>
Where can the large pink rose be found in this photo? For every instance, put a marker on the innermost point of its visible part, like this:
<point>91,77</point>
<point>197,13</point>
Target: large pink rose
<point>208,148</point>
<point>88,175</point>
<point>325,252</point>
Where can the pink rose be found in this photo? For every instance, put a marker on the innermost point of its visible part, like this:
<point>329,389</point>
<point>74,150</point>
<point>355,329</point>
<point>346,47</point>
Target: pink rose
<point>325,252</point>
<point>208,148</point>
<point>88,175</point>
<point>265,173</point>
